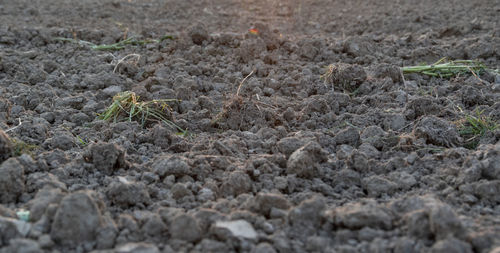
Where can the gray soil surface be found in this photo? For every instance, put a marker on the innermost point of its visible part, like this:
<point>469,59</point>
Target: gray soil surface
<point>364,160</point>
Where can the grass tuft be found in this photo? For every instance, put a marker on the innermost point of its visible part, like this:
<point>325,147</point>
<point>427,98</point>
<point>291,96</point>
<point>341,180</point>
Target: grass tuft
<point>126,106</point>
<point>118,45</point>
<point>474,126</point>
<point>446,69</point>
<point>20,147</point>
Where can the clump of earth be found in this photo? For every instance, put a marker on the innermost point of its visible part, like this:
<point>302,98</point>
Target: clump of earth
<point>275,157</point>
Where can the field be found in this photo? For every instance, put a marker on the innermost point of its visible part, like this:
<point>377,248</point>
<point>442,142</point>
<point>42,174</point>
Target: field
<point>249,126</point>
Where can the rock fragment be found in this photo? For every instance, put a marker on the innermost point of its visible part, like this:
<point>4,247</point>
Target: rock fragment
<point>236,228</point>
<point>137,247</point>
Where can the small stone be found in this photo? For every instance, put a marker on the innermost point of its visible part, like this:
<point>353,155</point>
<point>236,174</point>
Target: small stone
<point>137,247</point>
<point>236,228</point>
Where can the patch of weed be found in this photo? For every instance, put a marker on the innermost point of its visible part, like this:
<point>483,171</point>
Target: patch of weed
<point>118,45</point>
<point>234,103</point>
<point>20,147</point>
<point>81,141</point>
<point>126,106</point>
<point>446,69</point>
<point>474,126</point>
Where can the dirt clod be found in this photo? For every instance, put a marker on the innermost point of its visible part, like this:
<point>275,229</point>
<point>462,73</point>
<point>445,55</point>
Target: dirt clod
<point>76,220</point>
<point>5,147</point>
<point>12,183</point>
<point>346,77</point>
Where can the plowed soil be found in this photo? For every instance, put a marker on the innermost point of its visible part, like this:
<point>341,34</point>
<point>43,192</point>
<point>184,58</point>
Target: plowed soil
<point>272,152</point>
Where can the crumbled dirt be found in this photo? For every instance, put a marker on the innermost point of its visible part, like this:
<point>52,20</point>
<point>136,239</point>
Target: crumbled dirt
<point>361,160</point>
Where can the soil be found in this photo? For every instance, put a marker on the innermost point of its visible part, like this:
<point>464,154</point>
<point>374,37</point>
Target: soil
<point>364,160</point>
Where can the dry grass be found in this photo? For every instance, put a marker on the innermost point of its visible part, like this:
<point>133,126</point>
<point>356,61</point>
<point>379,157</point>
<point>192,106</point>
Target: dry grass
<point>127,106</point>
